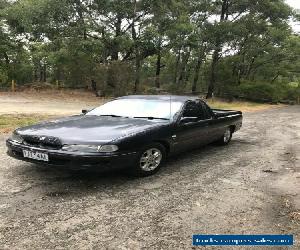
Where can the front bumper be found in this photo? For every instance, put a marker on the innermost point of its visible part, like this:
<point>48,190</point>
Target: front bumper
<point>74,160</point>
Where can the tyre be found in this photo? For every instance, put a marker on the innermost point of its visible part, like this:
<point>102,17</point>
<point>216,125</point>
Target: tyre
<point>149,160</point>
<point>226,137</point>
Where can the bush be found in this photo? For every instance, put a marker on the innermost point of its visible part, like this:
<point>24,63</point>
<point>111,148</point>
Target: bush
<point>263,92</point>
<point>3,78</point>
<point>293,92</point>
<point>114,79</point>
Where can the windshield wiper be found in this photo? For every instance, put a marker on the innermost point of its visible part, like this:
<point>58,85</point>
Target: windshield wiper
<point>115,116</point>
<point>151,118</point>
<point>139,117</point>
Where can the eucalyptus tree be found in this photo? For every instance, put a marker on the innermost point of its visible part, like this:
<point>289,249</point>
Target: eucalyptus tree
<point>228,28</point>
<point>200,11</point>
<point>161,22</point>
<point>226,42</point>
<point>14,59</point>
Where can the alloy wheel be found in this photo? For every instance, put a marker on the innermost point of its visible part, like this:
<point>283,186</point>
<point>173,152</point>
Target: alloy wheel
<point>150,159</point>
<point>227,135</point>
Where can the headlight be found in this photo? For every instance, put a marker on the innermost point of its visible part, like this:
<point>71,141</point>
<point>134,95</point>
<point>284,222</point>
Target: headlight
<point>108,148</point>
<point>16,138</point>
<point>90,148</point>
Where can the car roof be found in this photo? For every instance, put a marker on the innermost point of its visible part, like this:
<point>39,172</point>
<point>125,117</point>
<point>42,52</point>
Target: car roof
<point>177,98</point>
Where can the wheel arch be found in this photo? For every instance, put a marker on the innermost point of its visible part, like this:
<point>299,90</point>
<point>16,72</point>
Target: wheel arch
<point>232,128</point>
<point>165,144</point>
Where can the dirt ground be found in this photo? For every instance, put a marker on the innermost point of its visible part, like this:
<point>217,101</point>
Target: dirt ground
<point>251,186</point>
<point>47,102</point>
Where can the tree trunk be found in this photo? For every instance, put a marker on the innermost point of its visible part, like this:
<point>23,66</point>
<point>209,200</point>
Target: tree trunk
<point>81,19</point>
<point>6,58</point>
<point>158,67</point>
<point>45,73</point>
<point>137,73</point>
<point>7,64</point>
<point>275,78</point>
<point>137,52</point>
<point>185,60</point>
<point>187,75</point>
<point>94,87</point>
<point>177,66</point>
<point>241,68</point>
<point>35,74</point>
<point>212,79</point>
<point>250,67</point>
<point>58,74</point>
<point>115,53</point>
<point>218,48</point>
<point>197,71</point>
<point>41,72</point>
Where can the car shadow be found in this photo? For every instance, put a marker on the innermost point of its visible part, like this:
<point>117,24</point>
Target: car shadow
<point>55,183</point>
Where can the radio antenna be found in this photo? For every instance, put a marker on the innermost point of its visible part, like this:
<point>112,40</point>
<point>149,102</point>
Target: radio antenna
<point>170,107</point>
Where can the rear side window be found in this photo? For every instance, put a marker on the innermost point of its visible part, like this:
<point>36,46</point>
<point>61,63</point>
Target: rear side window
<point>191,110</point>
<point>196,109</point>
<point>206,110</point>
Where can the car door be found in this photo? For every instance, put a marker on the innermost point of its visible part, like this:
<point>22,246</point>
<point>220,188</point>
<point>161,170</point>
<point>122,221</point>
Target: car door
<point>215,128</point>
<point>192,129</point>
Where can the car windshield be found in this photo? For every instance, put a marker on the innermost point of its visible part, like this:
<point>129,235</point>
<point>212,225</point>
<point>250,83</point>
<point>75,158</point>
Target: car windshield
<point>138,108</point>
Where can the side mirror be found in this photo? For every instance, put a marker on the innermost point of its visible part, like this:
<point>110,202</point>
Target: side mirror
<point>84,111</point>
<point>185,120</point>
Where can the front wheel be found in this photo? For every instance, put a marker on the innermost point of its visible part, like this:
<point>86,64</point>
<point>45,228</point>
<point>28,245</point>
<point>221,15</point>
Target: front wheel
<point>226,137</point>
<point>149,160</point>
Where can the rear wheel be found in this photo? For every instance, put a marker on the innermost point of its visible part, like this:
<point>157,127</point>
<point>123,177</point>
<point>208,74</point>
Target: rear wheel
<point>226,137</point>
<point>149,160</point>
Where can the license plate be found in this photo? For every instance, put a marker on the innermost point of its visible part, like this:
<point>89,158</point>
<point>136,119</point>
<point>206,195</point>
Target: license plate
<point>35,155</point>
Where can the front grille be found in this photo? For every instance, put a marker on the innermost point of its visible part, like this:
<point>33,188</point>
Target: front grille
<point>42,142</point>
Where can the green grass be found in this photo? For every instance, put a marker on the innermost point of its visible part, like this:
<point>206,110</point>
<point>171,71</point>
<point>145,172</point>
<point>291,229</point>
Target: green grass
<point>8,123</point>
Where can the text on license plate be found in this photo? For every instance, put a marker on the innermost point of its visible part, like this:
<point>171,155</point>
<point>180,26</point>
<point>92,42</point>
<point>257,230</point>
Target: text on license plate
<point>35,155</point>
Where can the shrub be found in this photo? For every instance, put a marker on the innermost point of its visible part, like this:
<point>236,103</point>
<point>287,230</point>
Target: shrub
<point>114,79</point>
<point>261,91</point>
<point>293,92</point>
